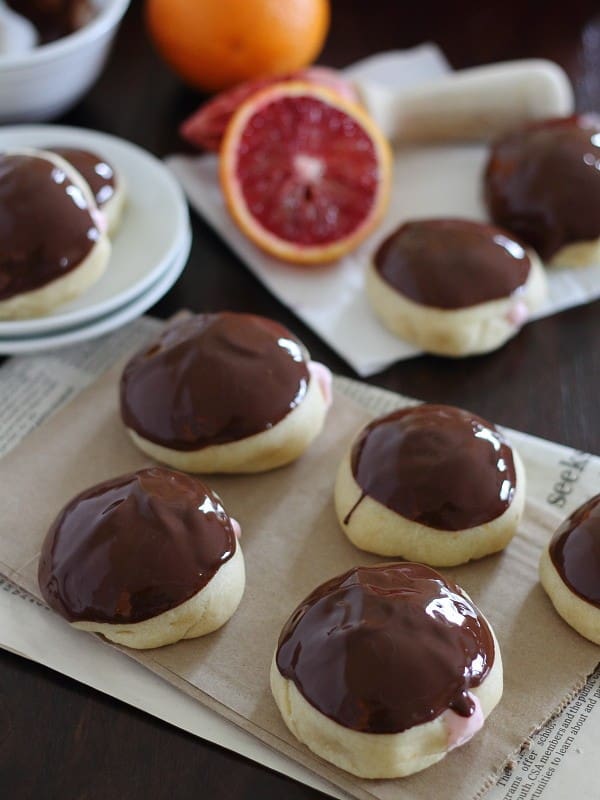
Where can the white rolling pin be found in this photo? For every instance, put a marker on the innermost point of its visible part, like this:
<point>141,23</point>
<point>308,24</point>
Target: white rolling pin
<point>476,103</point>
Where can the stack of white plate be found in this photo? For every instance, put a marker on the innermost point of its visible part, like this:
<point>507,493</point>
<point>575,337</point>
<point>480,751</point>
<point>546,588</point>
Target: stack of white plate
<point>150,248</point>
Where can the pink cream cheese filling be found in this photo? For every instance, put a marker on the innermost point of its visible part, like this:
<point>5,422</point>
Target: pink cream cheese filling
<point>322,375</point>
<point>461,729</point>
<point>100,220</point>
<point>518,313</point>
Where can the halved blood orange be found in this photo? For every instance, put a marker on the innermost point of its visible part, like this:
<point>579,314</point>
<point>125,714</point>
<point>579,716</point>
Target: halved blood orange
<point>206,127</point>
<point>305,173</point>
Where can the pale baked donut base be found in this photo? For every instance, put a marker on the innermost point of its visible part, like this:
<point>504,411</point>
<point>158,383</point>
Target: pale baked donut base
<point>113,210</point>
<point>207,610</point>
<point>279,445</point>
<point>45,299</point>
<point>376,755</point>
<point>42,301</point>
<point>576,612</point>
<point>456,332</point>
<point>377,529</point>
<point>577,254</point>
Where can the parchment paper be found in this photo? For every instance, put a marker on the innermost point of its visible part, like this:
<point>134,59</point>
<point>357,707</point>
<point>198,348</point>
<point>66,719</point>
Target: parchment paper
<point>427,182</point>
<point>291,542</point>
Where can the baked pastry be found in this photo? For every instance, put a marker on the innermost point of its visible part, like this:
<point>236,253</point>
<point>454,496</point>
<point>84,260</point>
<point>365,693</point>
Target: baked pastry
<point>145,559</point>
<point>54,19</point>
<point>53,245</point>
<point>371,680</point>
<point>107,185</point>
<point>224,393</point>
<point>570,570</point>
<point>454,287</point>
<point>542,183</point>
<point>430,483</point>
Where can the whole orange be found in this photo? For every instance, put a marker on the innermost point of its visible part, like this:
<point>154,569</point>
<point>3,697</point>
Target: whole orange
<point>214,44</point>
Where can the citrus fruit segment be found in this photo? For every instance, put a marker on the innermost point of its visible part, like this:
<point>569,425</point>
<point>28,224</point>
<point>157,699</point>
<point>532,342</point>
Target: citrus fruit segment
<point>305,173</point>
<point>205,128</point>
<point>214,45</point>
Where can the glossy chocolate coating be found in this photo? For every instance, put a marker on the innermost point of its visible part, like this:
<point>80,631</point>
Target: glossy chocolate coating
<point>97,172</point>
<point>54,19</point>
<point>437,465</point>
<point>134,547</point>
<point>381,649</point>
<point>575,551</point>
<point>46,228</point>
<point>452,263</point>
<point>542,182</point>
<point>212,379</point>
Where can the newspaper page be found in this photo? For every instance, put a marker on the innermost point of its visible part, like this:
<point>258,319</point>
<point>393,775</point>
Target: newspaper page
<point>558,761</point>
<point>34,386</point>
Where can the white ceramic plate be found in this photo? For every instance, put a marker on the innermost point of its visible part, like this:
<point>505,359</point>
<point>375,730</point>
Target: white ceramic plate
<point>107,323</point>
<point>153,229</point>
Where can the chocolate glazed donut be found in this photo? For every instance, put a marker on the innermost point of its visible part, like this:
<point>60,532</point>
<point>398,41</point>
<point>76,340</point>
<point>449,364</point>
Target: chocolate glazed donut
<point>454,287</point>
<point>46,226</point>
<point>452,263</point>
<point>383,670</point>
<point>96,170</point>
<point>213,379</point>
<point>365,650</point>
<point>430,483</point>
<point>55,18</point>
<point>542,182</point>
<point>54,246</point>
<point>570,570</point>
<point>134,547</point>
<point>224,393</point>
<point>575,551</point>
<point>436,465</point>
<point>144,559</point>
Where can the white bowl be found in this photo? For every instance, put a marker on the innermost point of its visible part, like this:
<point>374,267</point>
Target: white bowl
<point>44,82</point>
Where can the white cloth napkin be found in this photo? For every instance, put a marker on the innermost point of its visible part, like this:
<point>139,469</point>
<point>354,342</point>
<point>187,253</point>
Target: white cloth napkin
<point>428,181</point>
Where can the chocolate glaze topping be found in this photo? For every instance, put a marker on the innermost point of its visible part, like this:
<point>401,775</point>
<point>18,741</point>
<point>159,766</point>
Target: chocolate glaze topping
<point>575,551</point>
<point>437,465</point>
<point>212,379</point>
<point>452,263</point>
<point>55,18</point>
<point>381,649</point>
<point>46,228</point>
<point>134,547</point>
<point>542,182</point>
<point>97,172</point>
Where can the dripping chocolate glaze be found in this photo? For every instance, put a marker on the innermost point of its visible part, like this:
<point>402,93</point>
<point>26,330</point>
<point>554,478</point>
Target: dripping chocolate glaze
<point>212,379</point>
<point>452,263</point>
<point>134,547</point>
<point>96,171</point>
<point>54,19</point>
<point>437,465</point>
<point>365,650</point>
<point>575,551</point>
<point>46,228</point>
<point>542,182</point>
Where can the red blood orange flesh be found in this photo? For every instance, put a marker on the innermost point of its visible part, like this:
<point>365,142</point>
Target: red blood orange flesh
<point>305,173</point>
<point>205,128</point>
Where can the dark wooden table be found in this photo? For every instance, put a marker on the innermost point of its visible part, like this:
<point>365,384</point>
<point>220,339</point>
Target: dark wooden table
<point>60,740</point>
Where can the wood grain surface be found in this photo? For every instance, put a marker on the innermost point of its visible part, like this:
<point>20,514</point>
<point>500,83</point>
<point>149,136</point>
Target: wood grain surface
<point>61,740</point>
